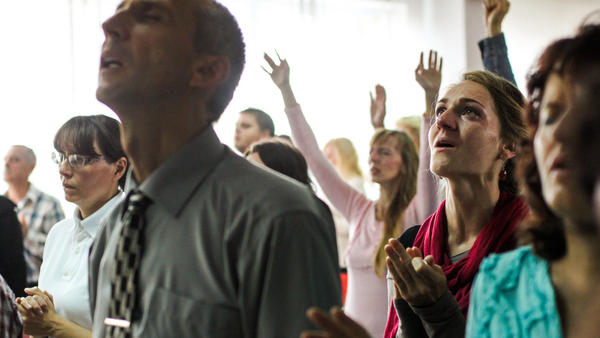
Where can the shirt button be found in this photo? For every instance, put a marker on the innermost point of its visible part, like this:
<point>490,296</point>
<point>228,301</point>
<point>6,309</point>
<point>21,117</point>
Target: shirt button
<point>77,251</point>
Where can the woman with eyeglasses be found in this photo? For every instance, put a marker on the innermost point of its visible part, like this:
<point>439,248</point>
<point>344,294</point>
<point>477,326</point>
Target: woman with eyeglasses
<point>92,165</point>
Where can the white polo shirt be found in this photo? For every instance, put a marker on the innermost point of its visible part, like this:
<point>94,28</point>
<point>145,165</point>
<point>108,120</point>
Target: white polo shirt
<point>64,272</point>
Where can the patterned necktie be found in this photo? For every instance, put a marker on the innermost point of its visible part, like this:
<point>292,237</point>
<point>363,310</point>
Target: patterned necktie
<point>124,271</point>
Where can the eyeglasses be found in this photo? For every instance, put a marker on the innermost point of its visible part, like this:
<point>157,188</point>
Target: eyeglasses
<point>75,160</point>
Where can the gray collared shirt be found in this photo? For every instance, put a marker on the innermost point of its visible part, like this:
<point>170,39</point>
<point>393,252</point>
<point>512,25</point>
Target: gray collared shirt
<point>230,250</point>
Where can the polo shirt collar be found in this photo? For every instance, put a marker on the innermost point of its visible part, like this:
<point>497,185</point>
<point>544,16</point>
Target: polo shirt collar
<point>92,222</point>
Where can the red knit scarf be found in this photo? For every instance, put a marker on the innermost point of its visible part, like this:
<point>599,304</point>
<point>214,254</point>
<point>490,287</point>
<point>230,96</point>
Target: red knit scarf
<point>497,236</point>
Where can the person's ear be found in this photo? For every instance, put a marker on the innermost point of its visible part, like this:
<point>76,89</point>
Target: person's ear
<point>210,71</point>
<point>265,134</point>
<point>508,151</point>
<point>120,168</point>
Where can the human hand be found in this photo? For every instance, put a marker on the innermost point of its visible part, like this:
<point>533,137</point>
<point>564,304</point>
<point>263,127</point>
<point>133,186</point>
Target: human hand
<point>37,311</point>
<point>430,78</point>
<point>24,225</point>
<point>335,325</point>
<point>280,74</point>
<point>417,280</point>
<point>378,107</point>
<point>495,10</point>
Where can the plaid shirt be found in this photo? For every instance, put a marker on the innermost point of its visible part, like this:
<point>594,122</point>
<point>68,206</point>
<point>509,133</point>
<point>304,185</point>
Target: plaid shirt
<point>10,318</point>
<point>41,211</point>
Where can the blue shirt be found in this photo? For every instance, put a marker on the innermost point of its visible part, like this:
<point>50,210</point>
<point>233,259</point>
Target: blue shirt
<point>513,297</point>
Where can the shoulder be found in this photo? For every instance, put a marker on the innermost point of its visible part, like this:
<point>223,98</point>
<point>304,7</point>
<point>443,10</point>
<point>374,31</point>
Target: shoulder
<point>504,270</point>
<point>6,204</point>
<point>510,276</point>
<point>257,187</point>
<point>513,294</point>
<point>60,228</point>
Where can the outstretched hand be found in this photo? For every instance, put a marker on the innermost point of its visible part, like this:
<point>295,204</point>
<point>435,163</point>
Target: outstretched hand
<point>378,111</point>
<point>495,10</point>
<point>280,74</point>
<point>335,325</point>
<point>417,280</point>
<point>430,78</point>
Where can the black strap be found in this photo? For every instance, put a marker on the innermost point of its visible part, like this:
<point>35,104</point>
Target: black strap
<point>408,237</point>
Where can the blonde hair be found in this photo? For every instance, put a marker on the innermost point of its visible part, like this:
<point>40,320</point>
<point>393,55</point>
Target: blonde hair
<point>412,122</point>
<point>405,191</point>
<point>347,154</point>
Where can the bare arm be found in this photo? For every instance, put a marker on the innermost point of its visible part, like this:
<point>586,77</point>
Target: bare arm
<point>345,198</point>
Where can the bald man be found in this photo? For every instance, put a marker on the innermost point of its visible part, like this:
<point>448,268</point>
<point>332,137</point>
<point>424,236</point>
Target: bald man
<point>37,211</point>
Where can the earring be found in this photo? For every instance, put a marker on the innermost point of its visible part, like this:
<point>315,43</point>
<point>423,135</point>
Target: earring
<point>502,174</point>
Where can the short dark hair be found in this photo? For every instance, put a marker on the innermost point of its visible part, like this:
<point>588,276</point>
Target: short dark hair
<point>284,159</point>
<point>265,122</point>
<point>80,133</point>
<point>572,59</point>
<point>218,33</point>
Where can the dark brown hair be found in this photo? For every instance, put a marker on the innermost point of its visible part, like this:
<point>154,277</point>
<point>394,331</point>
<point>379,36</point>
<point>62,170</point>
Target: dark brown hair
<point>282,158</point>
<point>264,121</point>
<point>570,59</point>
<point>218,33</point>
<point>81,133</point>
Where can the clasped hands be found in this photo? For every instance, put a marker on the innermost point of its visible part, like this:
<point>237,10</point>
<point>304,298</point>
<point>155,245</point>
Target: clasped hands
<point>37,311</point>
<point>417,280</point>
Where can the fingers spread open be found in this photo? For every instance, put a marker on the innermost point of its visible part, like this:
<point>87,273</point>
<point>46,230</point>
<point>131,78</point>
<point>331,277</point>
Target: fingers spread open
<point>270,61</point>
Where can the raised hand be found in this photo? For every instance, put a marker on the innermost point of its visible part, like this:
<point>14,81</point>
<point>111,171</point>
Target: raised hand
<point>378,107</point>
<point>430,78</point>
<point>280,74</point>
<point>417,280</point>
<point>335,325</point>
<point>495,10</point>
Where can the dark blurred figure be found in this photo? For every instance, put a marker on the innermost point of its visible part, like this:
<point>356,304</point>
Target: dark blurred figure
<point>282,158</point>
<point>12,261</point>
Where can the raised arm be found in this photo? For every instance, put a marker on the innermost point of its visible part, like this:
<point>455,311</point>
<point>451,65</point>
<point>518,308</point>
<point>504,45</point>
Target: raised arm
<point>347,200</point>
<point>425,201</point>
<point>430,79</point>
<point>493,48</point>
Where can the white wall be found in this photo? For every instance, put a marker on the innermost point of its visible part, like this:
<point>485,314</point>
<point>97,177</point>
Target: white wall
<point>338,51</point>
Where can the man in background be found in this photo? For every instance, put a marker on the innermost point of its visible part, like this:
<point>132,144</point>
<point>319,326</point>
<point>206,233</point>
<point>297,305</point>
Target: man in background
<point>253,125</point>
<point>37,211</point>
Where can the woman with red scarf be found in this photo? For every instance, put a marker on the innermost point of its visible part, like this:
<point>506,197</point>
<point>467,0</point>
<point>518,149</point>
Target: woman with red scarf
<point>478,123</point>
<point>473,145</point>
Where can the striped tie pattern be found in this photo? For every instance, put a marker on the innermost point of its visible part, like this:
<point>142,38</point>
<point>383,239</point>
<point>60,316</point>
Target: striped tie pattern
<point>123,274</point>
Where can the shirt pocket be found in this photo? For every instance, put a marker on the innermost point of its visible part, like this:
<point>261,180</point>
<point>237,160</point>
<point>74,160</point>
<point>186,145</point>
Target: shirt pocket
<point>174,315</point>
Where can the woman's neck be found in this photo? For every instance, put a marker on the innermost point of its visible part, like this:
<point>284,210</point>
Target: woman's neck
<point>386,194</point>
<point>88,209</point>
<point>576,280</point>
<point>16,192</point>
<point>469,208</point>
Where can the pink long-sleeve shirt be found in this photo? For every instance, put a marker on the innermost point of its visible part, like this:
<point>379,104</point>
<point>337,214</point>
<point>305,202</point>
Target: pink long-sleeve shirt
<point>366,297</point>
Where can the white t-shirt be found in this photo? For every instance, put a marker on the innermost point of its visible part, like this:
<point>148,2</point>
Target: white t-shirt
<point>64,271</point>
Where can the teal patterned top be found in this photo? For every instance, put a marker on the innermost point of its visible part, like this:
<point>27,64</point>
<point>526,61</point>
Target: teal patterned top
<point>513,297</point>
